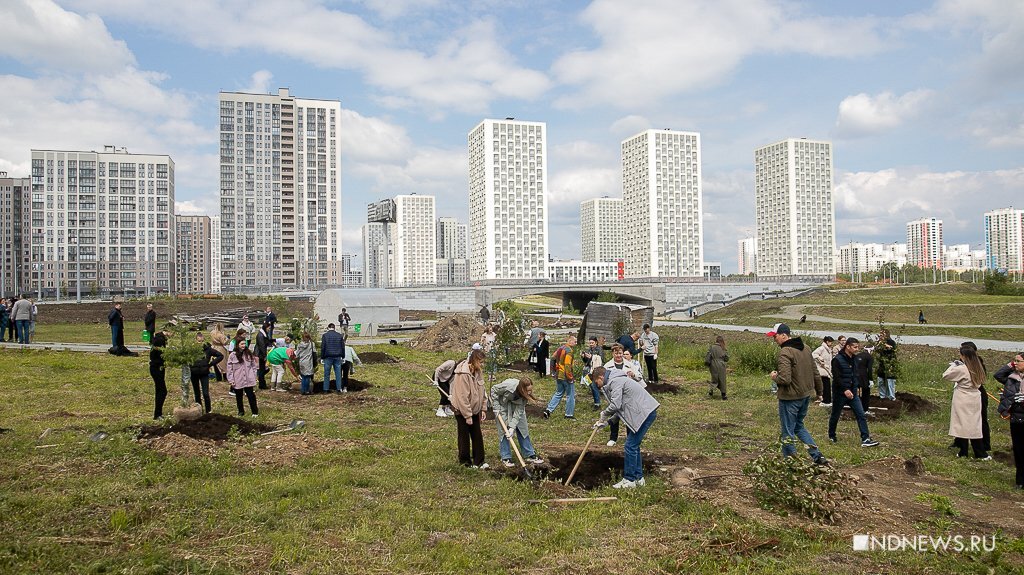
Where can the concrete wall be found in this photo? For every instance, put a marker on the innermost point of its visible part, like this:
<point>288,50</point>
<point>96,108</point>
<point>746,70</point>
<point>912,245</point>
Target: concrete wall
<point>462,299</point>
<point>685,295</point>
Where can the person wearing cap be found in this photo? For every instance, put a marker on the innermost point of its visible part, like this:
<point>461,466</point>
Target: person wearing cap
<point>798,381</point>
<point>631,403</point>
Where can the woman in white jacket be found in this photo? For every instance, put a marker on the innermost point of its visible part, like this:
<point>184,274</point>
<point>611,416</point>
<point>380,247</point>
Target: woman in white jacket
<point>967,375</point>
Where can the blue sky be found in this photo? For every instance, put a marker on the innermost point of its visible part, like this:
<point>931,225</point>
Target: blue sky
<point>923,101</point>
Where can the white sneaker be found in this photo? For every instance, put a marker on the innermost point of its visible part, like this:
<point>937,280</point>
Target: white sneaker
<point>448,411</point>
<point>344,390</point>
<point>611,443</point>
<point>484,466</point>
<point>534,460</point>
<point>441,412</point>
<point>508,463</point>
<point>624,484</point>
<point>823,404</point>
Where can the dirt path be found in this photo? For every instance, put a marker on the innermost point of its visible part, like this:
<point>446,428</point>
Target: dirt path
<point>795,312</point>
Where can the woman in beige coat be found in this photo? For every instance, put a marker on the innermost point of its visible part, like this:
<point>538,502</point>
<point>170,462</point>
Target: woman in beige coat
<point>967,375</point>
<point>219,340</point>
<point>469,403</point>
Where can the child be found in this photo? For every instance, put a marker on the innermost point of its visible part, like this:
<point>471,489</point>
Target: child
<point>277,358</point>
<point>242,366</point>
<point>508,400</point>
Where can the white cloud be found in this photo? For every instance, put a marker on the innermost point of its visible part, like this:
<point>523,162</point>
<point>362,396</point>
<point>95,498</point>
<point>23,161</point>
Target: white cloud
<point>864,114</point>
<point>393,9</point>
<point>465,72</point>
<point>999,128</point>
<point>662,48</point>
<point>368,139</point>
<point>205,206</point>
<point>41,32</point>
<point>259,83</point>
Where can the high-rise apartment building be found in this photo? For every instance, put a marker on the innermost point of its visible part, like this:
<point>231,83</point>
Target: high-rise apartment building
<point>415,241</point>
<point>662,200</point>
<point>924,243</point>
<point>746,256</point>
<point>102,220</point>
<point>194,256</point>
<point>452,251</point>
<point>214,254</point>
<point>601,223</point>
<point>508,206</point>
<point>795,210</point>
<point>378,253</point>
<point>280,191</point>
<point>15,236</point>
<point>350,276</point>
<point>1004,239</point>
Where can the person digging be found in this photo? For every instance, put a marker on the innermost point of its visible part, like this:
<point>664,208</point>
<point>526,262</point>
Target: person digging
<point>508,401</point>
<point>277,359</point>
<point>628,400</point>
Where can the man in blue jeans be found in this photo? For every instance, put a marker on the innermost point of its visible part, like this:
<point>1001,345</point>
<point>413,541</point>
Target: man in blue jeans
<point>846,391</point>
<point>332,350</point>
<point>798,381</point>
<point>565,384</point>
<point>638,410</point>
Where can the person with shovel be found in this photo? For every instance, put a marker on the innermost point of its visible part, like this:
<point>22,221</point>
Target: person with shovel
<point>469,403</point>
<point>508,400</point>
<point>443,376</point>
<point>638,410</point>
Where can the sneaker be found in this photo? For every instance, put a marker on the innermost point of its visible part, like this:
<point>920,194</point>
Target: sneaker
<point>833,440</point>
<point>231,392</point>
<point>534,460</point>
<point>1018,487</point>
<point>624,484</point>
<point>570,417</point>
<point>255,415</point>
<point>823,404</point>
<point>597,406</point>
<point>484,466</point>
<point>508,463</point>
<point>611,443</point>
<point>711,394</point>
<point>868,443</point>
<point>241,414</point>
<point>724,398</point>
<point>440,412</point>
<point>344,390</point>
<point>448,411</point>
<point>986,458</point>
<point>306,393</point>
<point>820,460</point>
<point>546,414</point>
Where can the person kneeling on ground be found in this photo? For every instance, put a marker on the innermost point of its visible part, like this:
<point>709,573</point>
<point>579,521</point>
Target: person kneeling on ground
<point>469,403</point>
<point>508,400</point>
<point>277,358</point>
<point>242,367</point>
<point>638,410</point>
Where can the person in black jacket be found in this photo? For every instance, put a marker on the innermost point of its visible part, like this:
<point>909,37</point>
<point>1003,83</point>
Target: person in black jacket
<point>1011,405</point>
<point>156,371</point>
<point>541,349</point>
<point>332,352</point>
<point>864,367</point>
<point>116,321</point>
<point>263,342</point>
<point>200,371</point>
<point>844,391</point>
<point>270,320</point>
<point>150,321</point>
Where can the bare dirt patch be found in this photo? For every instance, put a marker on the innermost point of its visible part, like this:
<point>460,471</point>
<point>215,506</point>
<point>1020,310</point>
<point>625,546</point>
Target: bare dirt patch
<point>600,467</point>
<point>374,357</point>
<point>271,450</point>
<point>453,332</point>
<point>662,387</point>
<point>354,385</point>
<point>889,409</point>
<point>211,427</point>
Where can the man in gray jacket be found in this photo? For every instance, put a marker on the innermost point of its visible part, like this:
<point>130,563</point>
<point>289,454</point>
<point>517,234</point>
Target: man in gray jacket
<point>798,380</point>
<point>21,315</point>
<point>638,410</point>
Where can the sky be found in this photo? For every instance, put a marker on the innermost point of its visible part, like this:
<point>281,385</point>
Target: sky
<point>923,101</point>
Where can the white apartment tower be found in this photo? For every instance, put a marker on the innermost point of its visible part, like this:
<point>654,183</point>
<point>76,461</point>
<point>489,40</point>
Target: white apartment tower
<point>795,210</point>
<point>662,200</point>
<point>746,256</point>
<point>280,191</point>
<point>601,229</point>
<point>194,270</point>
<point>1004,239</point>
<point>452,250</point>
<point>415,241</point>
<point>378,254</point>
<point>508,206</point>
<point>214,254</point>
<point>924,243</point>
<point>104,220</point>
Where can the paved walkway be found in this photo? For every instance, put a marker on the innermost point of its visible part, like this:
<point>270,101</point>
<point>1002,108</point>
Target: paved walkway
<point>793,312</point>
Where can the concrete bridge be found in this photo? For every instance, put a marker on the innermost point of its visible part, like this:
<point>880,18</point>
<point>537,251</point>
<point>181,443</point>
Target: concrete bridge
<point>663,295</point>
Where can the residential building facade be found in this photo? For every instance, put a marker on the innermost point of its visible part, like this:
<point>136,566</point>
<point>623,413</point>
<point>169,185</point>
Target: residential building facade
<point>508,206</point>
<point>924,243</point>
<point>194,261</point>
<point>415,241</point>
<point>1004,239</point>
<point>961,257</point>
<point>378,253</point>
<point>102,222</point>
<point>601,229</point>
<point>15,236</point>
<point>746,256</point>
<point>662,204</point>
<point>795,210</point>
<point>280,191</point>
<point>452,252</point>
<point>578,271</point>
<point>214,254</point>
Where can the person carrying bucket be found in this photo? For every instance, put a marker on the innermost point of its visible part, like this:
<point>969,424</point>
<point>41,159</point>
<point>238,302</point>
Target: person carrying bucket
<point>508,401</point>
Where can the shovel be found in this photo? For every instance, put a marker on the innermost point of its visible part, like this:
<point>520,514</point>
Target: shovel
<point>582,453</point>
<point>511,440</point>
<point>295,424</point>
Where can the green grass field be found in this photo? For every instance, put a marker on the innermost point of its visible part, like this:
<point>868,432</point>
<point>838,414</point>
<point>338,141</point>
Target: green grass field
<point>383,493</point>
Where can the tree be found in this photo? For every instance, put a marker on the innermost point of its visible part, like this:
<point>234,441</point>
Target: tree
<point>510,334</point>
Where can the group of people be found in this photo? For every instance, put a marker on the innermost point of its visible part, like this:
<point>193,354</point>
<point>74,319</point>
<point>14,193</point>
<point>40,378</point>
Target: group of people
<point>244,359</point>
<point>617,384</point>
<point>18,319</point>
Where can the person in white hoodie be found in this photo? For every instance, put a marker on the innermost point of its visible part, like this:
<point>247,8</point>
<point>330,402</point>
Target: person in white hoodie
<point>823,360</point>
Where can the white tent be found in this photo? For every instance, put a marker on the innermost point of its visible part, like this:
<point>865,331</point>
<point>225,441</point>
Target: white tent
<point>368,308</point>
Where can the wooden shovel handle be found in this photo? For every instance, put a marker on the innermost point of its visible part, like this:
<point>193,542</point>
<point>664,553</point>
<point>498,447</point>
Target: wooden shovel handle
<point>511,441</point>
<point>580,460</point>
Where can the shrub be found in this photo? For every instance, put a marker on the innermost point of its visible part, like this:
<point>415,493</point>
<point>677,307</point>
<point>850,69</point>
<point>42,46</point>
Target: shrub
<point>795,483</point>
<point>757,358</point>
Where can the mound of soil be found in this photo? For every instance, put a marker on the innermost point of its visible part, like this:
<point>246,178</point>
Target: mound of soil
<point>372,357</point>
<point>521,365</point>
<point>662,388</point>
<point>210,427</point>
<point>889,409</point>
<point>452,333</point>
